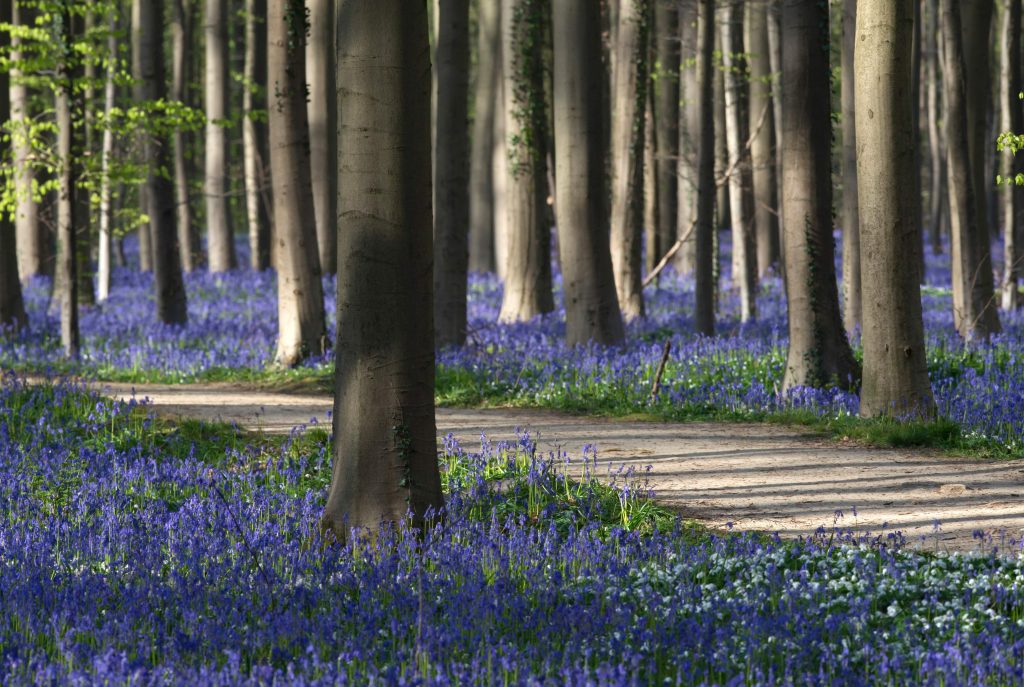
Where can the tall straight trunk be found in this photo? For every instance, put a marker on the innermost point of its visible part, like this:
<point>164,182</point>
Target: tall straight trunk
<point>254,135</point>
<point>12,305</point>
<point>451,174</point>
<point>819,352</point>
<point>852,303</point>
<point>84,73</point>
<point>689,134</point>
<point>740,183</point>
<point>31,236</point>
<point>106,156</point>
<point>181,37</point>
<point>721,144</point>
<point>651,255</point>
<point>762,147</point>
<point>1012,120</point>
<point>528,269</point>
<point>937,157</point>
<point>629,93</point>
<point>300,300</point>
<point>500,172</point>
<point>895,366</point>
<point>705,229</point>
<point>323,134</point>
<point>485,105</point>
<point>666,119</point>
<point>68,152</point>
<point>976,26</point>
<point>591,307</point>
<point>219,237</point>
<point>974,307</point>
<point>385,454</point>
<point>915,98</point>
<point>775,61</point>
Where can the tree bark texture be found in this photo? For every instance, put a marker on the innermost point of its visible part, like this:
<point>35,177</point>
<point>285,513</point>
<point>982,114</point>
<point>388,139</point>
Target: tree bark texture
<point>762,149</point>
<point>651,256</point>
<point>706,191</point>
<point>852,303</point>
<point>976,27</point>
<point>12,305</point>
<point>255,156</point>
<point>895,381</point>
<point>819,352</point>
<point>68,151</point>
<point>528,266</point>
<point>323,136</point>
<point>385,452</point>
<point>485,108</point>
<point>300,299</point>
<point>689,134</point>
<point>666,119</point>
<point>724,212</point>
<point>936,153</point>
<point>32,238</point>
<point>219,236</point>
<point>181,41</point>
<point>775,61</point>
<point>1012,120</point>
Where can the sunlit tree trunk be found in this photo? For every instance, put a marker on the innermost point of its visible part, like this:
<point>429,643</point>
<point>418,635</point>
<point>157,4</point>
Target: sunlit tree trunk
<point>68,150</point>
<point>12,306</point>
<point>323,135</point>
<point>689,135</point>
<point>485,107</point>
<point>220,241</point>
<point>705,229</point>
<point>1012,120</point>
<point>651,256</point>
<point>254,135</point>
<point>106,155</point>
<point>851,216</point>
<point>31,236</point>
<point>762,150</point>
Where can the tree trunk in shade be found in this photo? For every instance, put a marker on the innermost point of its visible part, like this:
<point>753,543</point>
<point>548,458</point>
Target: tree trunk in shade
<point>706,275</point>
<point>762,151</point>
<point>254,135</point>
<point>651,255</point>
<point>851,216</point>
<point>323,134</point>
<point>181,39</point>
<point>219,236</point>
<point>300,300</point>
<point>896,380</point>
<point>976,27</point>
<point>68,152</point>
<point>723,212</point>
<point>666,119</point>
<point>32,237</point>
<point>12,305</point>
<point>689,134</point>
<point>937,155</point>
<point>819,352</point>
<point>485,108</point>
<point>385,447</point>
<point>1012,120</point>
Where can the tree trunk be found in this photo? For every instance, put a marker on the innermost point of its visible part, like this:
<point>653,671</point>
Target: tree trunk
<point>254,135</point>
<point>323,135</point>
<point>528,269</point>
<point>740,182</point>
<point>68,152</point>
<point>706,274</point>
<point>499,161</point>
<point>762,150</point>
<point>181,38</point>
<point>775,61</point>
<point>629,93</point>
<point>974,308</point>
<point>451,174</point>
<point>1012,120</point>
<point>937,157</point>
<point>651,256</point>
<point>385,452</point>
<point>852,304</point>
<point>666,119</point>
<point>895,366</point>
<point>485,106</point>
<point>106,156</point>
<point>591,307</point>
<point>300,299</point>
<point>219,237</point>
<point>724,214</point>
<point>689,134</point>
<point>976,27</point>
<point>819,352</point>
<point>12,306</point>
<point>31,236</point>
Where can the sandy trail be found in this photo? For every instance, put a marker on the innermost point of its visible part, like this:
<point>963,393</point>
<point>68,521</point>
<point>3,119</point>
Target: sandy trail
<point>756,476</point>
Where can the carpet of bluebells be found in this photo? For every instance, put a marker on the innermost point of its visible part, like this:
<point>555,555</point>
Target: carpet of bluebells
<point>131,554</point>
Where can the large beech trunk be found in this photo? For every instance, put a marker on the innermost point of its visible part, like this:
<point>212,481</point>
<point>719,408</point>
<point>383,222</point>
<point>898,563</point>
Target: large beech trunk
<point>300,301</point>
<point>220,240</point>
<point>68,152</point>
<point>323,135</point>
<point>255,157</point>
<point>819,352</point>
<point>485,109</point>
<point>181,38</point>
<point>851,216</point>
<point>385,452</point>
<point>895,379</point>
<point>937,156</point>
<point>705,229</point>
<point>689,136</point>
<point>762,148</point>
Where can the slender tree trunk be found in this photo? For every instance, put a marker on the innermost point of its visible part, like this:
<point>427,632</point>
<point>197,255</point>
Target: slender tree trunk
<point>1012,120</point>
<point>500,172</point>
<point>651,255</point>
<point>106,155</point>
<point>323,135</point>
<point>976,26</point>
<point>85,74</point>
<point>666,119</point>
<point>744,248</point>
<point>706,274</point>
<point>915,99</point>
<point>629,93</point>
<point>852,303</point>
<point>937,194</point>
<point>819,352</point>
<point>254,135</point>
<point>28,229</point>
<point>220,240</point>
<point>689,134</point>
<point>68,150</point>
<point>385,457</point>
<point>485,106</point>
<point>775,61</point>
<point>528,270</point>
<point>12,306</point>
<point>895,366</point>
<point>591,307</point>
<point>974,307</point>
<point>181,38</point>
<point>300,300</point>
<point>724,213</point>
<point>762,150</point>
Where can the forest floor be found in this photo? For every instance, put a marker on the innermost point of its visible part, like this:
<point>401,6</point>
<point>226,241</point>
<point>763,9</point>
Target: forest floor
<point>755,476</point>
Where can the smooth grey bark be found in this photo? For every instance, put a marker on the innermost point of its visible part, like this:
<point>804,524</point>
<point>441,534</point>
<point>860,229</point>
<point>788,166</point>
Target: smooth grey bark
<point>528,266</point>
<point>323,135</point>
<point>1012,120</point>
<point>31,237</point>
<point>181,38</point>
<point>724,212</point>
<point>628,95</point>
<point>936,154</point>
<point>12,305</point>
<point>666,119</point>
<point>762,147</point>
<point>151,86</point>
<point>591,306</point>
<point>106,155</point>
<point>451,174</point>
<point>255,157</point>
<point>895,380</point>
<point>485,106</point>
<point>819,352</point>
<point>775,61</point>
<point>300,300</point>
<point>852,303</point>
<point>219,237</point>
<point>706,191</point>
<point>84,74</point>
<point>651,256</point>
<point>68,151</point>
<point>689,135</point>
<point>740,182</point>
<point>500,163</point>
<point>974,308</point>
<point>385,452</point>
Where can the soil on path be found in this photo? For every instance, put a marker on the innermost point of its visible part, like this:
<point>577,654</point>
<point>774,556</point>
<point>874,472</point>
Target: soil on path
<point>755,476</point>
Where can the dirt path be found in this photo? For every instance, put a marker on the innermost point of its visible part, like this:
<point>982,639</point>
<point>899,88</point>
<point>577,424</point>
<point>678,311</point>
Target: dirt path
<point>755,476</point>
